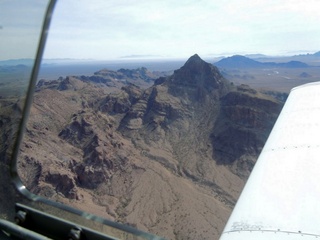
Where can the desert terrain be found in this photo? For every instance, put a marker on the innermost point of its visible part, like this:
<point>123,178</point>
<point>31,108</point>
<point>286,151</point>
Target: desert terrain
<point>165,152</point>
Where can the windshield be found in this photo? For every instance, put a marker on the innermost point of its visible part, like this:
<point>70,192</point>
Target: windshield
<point>150,115</point>
<point>21,26</point>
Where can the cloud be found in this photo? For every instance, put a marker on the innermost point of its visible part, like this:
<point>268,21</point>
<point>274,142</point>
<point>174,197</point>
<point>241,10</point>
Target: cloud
<point>111,29</point>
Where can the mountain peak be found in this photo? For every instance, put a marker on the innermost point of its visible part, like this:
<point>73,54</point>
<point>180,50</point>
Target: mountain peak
<point>196,65</point>
<point>195,74</point>
<point>238,61</point>
<point>194,60</point>
<point>194,57</point>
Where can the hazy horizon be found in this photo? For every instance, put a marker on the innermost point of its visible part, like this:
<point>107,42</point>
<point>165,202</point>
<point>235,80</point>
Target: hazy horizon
<point>154,58</point>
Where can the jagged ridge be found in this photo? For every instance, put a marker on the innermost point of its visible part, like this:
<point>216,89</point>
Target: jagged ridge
<point>152,158</point>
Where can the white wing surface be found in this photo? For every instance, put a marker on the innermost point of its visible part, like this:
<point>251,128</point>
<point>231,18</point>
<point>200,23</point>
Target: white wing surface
<point>281,199</point>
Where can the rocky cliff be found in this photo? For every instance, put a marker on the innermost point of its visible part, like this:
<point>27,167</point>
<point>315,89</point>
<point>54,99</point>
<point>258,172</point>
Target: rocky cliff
<point>170,159</point>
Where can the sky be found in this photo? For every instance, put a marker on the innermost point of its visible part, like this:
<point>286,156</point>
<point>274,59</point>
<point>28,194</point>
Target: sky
<point>130,29</point>
<point>20,26</point>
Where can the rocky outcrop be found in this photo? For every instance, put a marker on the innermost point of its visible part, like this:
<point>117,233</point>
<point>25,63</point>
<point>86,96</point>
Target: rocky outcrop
<point>79,131</point>
<point>65,84</point>
<point>121,102</point>
<point>63,183</point>
<point>139,73</point>
<point>244,123</point>
<point>99,80</point>
<point>305,75</point>
<point>116,103</point>
<point>100,150</point>
<point>139,76</point>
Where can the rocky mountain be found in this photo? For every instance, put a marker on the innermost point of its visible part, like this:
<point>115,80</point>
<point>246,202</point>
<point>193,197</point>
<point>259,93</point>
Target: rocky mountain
<point>140,76</point>
<point>317,54</point>
<point>290,64</point>
<point>15,68</point>
<point>304,75</point>
<point>238,61</point>
<point>170,159</point>
<point>14,62</point>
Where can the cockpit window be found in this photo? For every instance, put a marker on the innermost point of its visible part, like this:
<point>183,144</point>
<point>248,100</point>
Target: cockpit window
<point>21,31</point>
<point>146,117</point>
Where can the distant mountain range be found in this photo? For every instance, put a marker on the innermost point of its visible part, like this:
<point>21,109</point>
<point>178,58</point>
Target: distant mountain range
<point>257,57</point>
<point>14,62</point>
<point>238,61</point>
<point>14,68</point>
<point>316,54</point>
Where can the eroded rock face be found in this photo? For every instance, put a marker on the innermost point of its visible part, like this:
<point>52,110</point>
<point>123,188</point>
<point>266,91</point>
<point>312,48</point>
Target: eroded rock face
<point>159,159</point>
<point>89,176</point>
<point>139,76</point>
<point>99,148</point>
<point>63,183</point>
<point>243,126</point>
<point>121,102</point>
<point>76,132</point>
<point>116,103</point>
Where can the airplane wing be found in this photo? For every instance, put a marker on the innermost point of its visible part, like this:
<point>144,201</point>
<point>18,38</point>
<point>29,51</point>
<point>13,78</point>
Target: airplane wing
<point>281,199</point>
